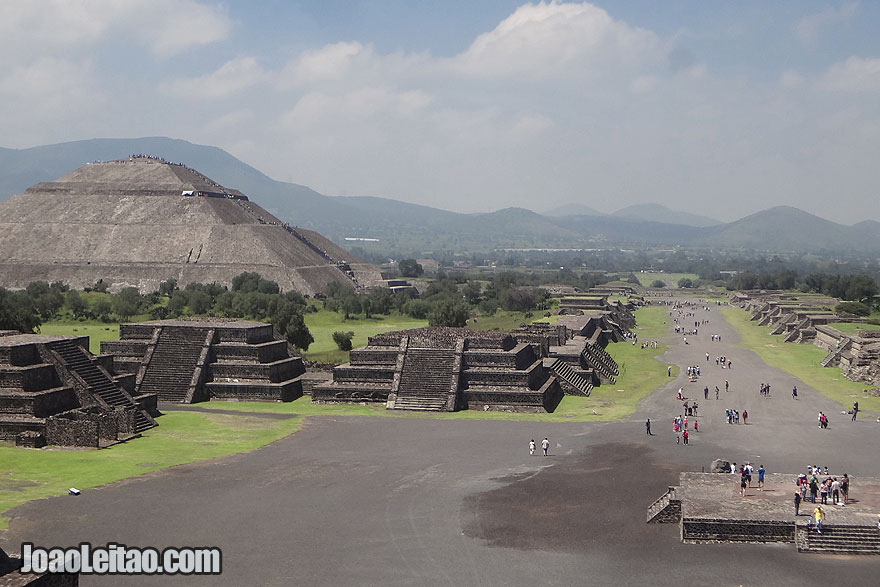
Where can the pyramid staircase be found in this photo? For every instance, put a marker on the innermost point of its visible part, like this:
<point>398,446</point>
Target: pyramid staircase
<point>425,380</point>
<point>838,540</point>
<point>565,372</point>
<point>834,354</point>
<point>99,382</point>
<point>174,363</point>
<point>599,359</point>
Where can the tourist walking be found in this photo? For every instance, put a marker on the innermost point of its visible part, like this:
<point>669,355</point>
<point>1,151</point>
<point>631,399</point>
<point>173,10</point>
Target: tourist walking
<point>532,447</point>
<point>761,472</point>
<point>647,427</point>
<point>684,437</point>
<point>545,446</point>
<point>844,488</point>
<point>855,410</point>
<point>745,416</point>
<point>819,517</point>
<point>797,503</point>
<point>835,491</point>
<point>742,485</point>
<point>794,392</point>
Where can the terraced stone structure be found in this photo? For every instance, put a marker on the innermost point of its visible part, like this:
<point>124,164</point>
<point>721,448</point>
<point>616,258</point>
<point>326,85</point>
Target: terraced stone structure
<point>449,369</point>
<point>809,321</point>
<point>199,359</point>
<point>54,391</point>
<point>708,508</point>
<point>140,221</point>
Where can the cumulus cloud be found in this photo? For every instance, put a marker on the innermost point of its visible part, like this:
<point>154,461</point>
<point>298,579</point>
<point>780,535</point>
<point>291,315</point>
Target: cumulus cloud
<point>549,39</point>
<point>855,74</point>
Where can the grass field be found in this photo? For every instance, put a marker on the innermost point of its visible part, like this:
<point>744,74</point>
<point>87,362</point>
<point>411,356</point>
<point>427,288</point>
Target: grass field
<point>96,331</point>
<point>801,361</point>
<point>671,279</point>
<point>182,437</point>
<point>853,327</point>
<point>324,323</point>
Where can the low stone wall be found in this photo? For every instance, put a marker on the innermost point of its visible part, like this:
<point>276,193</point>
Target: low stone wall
<point>29,378</point>
<point>721,530</point>
<point>330,393</point>
<point>255,391</point>
<point>265,352</point>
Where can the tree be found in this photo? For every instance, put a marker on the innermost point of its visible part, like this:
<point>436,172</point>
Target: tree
<point>76,304</point>
<point>199,302</point>
<point>343,340</point>
<point>685,283</point>
<point>102,309</point>
<point>126,303</point>
<point>658,283</point>
<point>297,333</point>
<point>100,286</point>
<point>177,303</point>
<point>449,313</point>
<point>410,268</point>
<point>857,308</point>
<point>17,312</point>
<point>168,287</point>
<point>247,281</point>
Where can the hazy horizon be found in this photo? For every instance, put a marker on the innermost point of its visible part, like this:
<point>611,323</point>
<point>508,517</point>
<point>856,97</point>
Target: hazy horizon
<point>717,110</point>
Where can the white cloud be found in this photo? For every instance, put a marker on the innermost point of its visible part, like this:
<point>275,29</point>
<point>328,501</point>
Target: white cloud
<point>550,39</point>
<point>855,74</point>
<point>165,27</point>
<point>808,28</point>
<point>232,77</point>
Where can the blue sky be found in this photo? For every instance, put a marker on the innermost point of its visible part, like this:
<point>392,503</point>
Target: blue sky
<point>717,108</point>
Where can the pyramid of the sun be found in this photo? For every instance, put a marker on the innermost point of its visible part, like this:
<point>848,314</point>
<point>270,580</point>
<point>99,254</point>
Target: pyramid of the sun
<point>140,221</point>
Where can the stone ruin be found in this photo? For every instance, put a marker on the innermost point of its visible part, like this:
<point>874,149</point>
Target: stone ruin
<point>807,319</point>
<point>199,359</point>
<point>54,391</point>
<point>142,220</point>
<point>450,369</point>
<point>708,509</point>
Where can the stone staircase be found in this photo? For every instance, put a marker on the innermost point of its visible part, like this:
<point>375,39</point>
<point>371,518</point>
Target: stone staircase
<point>99,382</point>
<point>666,509</point>
<point>834,354</point>
<point>839,540</point>
<point>599,359</point>
<point>173,363</point>
<point>565,372</point>
<point>425,380</point>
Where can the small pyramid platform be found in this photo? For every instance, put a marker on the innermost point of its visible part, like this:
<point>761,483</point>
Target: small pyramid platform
<point>140,221</point>
<point>199,359</point>
<point>54,391</point>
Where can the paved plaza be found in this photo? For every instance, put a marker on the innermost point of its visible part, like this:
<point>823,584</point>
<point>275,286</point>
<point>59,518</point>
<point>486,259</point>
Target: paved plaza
<point>403,501</point>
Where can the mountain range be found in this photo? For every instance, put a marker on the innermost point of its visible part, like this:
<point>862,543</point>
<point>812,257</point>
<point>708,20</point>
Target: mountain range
<point>410,229</point>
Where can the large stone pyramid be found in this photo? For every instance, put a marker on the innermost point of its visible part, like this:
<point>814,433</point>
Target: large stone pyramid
<point>142,220</point>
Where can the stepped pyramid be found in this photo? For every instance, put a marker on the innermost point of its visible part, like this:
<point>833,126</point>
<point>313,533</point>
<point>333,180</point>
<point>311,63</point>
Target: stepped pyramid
<point>142,220</point>
<point>54,391</point>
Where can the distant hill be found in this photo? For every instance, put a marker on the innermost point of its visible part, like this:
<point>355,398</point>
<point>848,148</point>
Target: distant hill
<point>411,229</point>
<point>660,213</point>
<point>785,228</point>
<point>572,210</point>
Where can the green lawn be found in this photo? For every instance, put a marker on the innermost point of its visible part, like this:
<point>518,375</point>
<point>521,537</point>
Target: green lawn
<point>671,279</point>
<point>853,327</point>
<point>324,323</point>
<point>96,331</point>
<point>801,361</point>
<point>504,320</point>
<point>182,437</point>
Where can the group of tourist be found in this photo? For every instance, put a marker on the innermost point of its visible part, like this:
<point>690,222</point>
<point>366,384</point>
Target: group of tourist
<point>820,485</point>
<point>823,420</point>
<point>764,391</point>
<point>733,416</point>
<point>745,472</point>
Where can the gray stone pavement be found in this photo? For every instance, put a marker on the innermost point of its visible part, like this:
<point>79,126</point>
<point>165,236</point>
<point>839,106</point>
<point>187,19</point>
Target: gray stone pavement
<point>388,501</point>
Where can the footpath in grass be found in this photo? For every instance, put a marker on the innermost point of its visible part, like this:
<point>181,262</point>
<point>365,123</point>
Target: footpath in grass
<point>801,361</point>
<point>853,327</point>
<point>324,323</point>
